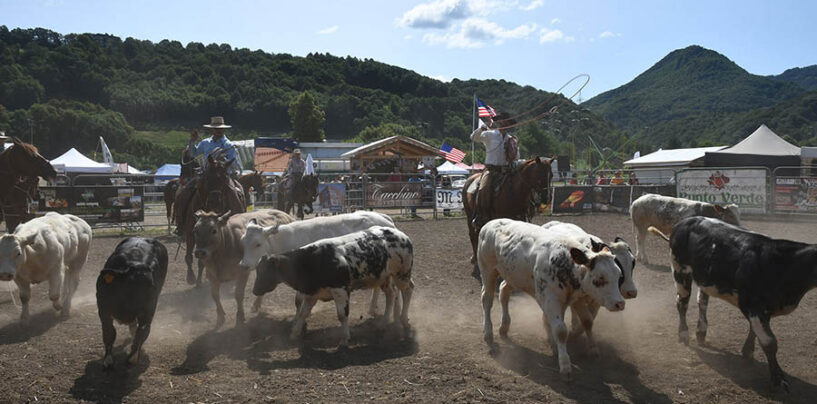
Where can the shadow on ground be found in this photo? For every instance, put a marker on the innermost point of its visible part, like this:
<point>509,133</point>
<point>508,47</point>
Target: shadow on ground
<point>590,379</point>
<point>262,335</point>
<point>99,385</point>
<point>38,324</point>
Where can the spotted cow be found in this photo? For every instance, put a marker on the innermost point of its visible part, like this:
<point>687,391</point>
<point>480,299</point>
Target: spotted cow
<point>553,269</point>
<point>331,268</point>
<point>761,276</point>
<point>662,212</point>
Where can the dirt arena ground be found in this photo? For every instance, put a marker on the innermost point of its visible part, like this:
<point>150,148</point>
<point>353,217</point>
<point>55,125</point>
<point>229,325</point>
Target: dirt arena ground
<point>445,360</point>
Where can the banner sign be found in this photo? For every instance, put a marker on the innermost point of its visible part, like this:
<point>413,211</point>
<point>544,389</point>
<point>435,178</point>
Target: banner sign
<point>448,198</point>
<point>798,195</point>
<point>95,204</point>
<point>572,199</point>
<point>666,190</point>
<point>331,197</point>
<point>744,187</point>
<point>398,194</point>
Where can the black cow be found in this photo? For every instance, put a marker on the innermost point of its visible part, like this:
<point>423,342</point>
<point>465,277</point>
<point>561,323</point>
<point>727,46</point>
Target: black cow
<point>127,290</point>
<point>761,276</point>
<point>331,268</point>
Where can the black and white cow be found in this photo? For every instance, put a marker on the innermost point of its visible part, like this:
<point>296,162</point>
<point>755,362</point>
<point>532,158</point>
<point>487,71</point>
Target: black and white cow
<point>127,291</point>
<point>761,276</point>
<point>331,268</point>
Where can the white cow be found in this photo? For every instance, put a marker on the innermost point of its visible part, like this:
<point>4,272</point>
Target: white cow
<point>259,241</point>
<point>662,212</point>
<point>624,258</point>
<point>553,269</point>
<point>53,248</point>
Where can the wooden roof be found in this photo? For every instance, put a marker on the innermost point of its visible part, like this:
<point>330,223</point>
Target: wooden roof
<point>394,145</point>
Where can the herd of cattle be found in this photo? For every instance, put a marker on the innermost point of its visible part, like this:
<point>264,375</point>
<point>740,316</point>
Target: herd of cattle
<point>559,264</point>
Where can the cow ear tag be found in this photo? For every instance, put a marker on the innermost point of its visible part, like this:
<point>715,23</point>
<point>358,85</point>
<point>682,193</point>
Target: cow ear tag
<point>108,278</point>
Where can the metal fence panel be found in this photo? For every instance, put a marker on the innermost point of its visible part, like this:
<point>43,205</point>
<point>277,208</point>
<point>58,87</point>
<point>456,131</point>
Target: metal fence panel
<point>747,187</point>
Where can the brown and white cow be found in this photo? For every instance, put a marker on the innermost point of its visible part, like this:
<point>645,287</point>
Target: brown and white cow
<point>218,248</point>
<point>51,248</point>
<point>662,212</point>
<point>553,269</point>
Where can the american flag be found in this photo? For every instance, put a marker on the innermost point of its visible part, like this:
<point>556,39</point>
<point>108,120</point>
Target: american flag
<point>451,153</point>
<point>485,110</point>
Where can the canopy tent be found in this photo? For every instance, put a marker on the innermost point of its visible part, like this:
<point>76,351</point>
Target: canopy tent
<point>450,168</point>
<point>659,167</point>
<point>762,148</point>
<point>168,172</point>
<point>76,162</point>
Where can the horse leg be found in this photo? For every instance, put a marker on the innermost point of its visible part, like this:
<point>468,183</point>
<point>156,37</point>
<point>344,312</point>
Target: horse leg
<point>190,244</point>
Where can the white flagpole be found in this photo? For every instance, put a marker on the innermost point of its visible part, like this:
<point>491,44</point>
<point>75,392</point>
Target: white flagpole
<point>473,126</point>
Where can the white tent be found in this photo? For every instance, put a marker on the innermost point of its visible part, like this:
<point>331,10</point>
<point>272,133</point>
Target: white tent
<point>659,167</point>
<point>449,168</point>
<point>76,162</point>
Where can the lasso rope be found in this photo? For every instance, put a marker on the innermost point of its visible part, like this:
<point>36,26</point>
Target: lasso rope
<point>547,101</point>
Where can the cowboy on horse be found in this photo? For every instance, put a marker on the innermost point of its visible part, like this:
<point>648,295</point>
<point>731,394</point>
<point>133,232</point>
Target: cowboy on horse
<point>501,153</point>
<point>217,145</point>
<point>294,172</point>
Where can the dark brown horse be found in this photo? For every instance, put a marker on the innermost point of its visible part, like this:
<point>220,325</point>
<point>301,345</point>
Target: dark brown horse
<point>514,199</point>
<point>254,181</point>
<point>17,203</point>
<point>189,169</point>
<point>20,164</point>
<point>303,194</point>
<point>215,192</point>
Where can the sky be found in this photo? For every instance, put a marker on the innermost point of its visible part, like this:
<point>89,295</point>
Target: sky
<point>541,43</point>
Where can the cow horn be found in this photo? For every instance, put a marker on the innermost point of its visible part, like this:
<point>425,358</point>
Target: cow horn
<point>223,218</point>
<point>272,229</point>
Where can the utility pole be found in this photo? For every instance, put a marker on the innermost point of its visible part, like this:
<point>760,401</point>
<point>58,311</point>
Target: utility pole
<point>30,131</point>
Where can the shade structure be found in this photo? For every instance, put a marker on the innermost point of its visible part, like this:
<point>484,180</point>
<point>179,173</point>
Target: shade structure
<point>762,148</point>
<point>168,172</point>
<point>76,162</point>
<point>450,168</point>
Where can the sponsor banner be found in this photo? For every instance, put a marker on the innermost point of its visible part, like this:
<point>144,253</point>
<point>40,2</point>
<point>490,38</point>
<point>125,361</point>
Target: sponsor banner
<point>795,194</point>
<point>330,198</point>
<point>570,199</point>
<point>611,199</point>
<point>745,187</point>
<point>666,190</point>
<point>396,194</point>
<point>95,204</point>
<point>448,198</point>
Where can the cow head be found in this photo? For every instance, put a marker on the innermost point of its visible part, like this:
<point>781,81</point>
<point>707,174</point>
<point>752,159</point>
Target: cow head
<point>131,276</point>
<point>626,260</point>
<point>268,273</point>
<point>256,243</point>
<point>207,232</point>
<point>599,277</point>
<point>729,213</point>
<point>13,250</point>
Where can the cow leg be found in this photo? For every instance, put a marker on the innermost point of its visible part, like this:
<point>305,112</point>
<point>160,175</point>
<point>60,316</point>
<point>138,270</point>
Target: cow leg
<point>489,279</point>
<point>703,302</point>
<point>768,341</point>
<point>640,245</point>
<point>24,289</point>
<point>388,290</point>
<point>341,297</point>
<point>554,318</point>
<point>373,303</point>
<point>240,287</point>
<point>683,286</point>
<point>577,310</point>
<point>585,316</point>
<point>141,334</point>
<point>70,286</point>
<point>108,338</point>
<point>215,292</point>
<point>190,244</point>
<point>201,272</point>
<point>748,349</point>
<point>406,286</point>
<point>299,325</point>
<point>256,304</point>
<point>505,291</point>
<point>55,285</point>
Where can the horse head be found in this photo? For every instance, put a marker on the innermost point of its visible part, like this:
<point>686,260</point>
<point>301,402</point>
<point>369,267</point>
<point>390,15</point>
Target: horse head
<point>309,187</point>
<point>538,174</point>
<point>214,182</point>
<point>26,160</point>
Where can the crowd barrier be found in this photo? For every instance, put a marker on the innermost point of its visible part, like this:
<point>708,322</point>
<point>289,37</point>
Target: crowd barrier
<point>97,199</point>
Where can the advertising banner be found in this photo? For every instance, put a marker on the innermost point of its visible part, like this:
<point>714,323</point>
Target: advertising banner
<point>395,194</point>
<point>569,199</point>
<point>745,187</point>
<point>795,194</point>
<point>95,204</point>
<point>448,199</point>
<point>331,197</point>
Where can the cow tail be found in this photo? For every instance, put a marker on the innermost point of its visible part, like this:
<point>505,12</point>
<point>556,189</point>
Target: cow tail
<point>658,233</point>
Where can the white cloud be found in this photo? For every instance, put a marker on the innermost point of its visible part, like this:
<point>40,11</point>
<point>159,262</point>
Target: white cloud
<point>476,32</point>
<point>407,37</point>
<point>533,5</point>
<point>329,30</point>
<point>437,14</point>
<point>607,34</point>
<point>552,35</point>
<point>555,21</point>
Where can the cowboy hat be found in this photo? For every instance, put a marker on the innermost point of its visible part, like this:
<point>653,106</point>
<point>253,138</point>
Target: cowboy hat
<point>217,122</point>
<point>296,151</point>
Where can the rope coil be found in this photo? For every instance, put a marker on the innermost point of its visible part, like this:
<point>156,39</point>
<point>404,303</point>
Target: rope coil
<point>548,112</point>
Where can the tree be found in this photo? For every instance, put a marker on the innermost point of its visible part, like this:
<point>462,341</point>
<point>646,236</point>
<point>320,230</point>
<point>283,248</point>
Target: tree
<point>306,118</point>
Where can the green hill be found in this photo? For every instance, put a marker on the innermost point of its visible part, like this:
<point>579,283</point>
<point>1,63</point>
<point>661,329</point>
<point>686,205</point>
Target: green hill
<point>73,88</point>
<point>805,77</point>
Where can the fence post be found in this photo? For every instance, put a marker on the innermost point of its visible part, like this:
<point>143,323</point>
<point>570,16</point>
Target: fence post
<point>363,187</point>
<point>433,194</point>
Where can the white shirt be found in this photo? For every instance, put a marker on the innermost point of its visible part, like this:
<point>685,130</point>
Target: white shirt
<point>494,145</point>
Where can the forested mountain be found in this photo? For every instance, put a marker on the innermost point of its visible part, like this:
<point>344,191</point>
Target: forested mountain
<point>70,89</point>
<point>805,77</point>
<point>697,97</point>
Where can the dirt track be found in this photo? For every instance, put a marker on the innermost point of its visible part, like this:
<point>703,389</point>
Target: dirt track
<point>445,360</point>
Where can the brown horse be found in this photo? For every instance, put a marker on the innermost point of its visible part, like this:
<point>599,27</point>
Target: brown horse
<point>303,194</point>
<point>215,192</point>
<point>513,200</point>
<point>19,161</point>
<point>254,181</point>
<point>17,203</point>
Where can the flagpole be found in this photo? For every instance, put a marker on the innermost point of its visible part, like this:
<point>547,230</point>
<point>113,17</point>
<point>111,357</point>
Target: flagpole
<point>473,126</point>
